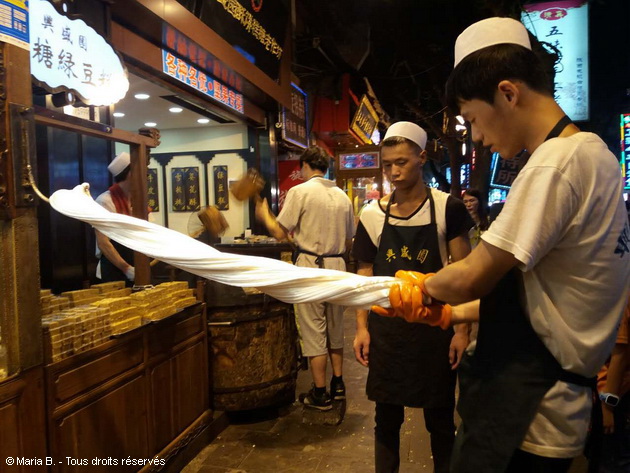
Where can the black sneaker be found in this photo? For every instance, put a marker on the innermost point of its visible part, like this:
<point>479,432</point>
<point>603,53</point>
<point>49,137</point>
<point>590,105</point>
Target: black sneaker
<point>313,400</point>
<point>337,390</point>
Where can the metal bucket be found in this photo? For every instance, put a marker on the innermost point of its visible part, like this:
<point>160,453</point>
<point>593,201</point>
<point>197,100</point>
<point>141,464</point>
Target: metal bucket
<point>253,353</point>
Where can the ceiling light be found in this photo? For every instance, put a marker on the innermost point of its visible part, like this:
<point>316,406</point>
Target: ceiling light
<point>119,114</point>
<point>460,119</point>
<point>203,120</point>
<point>150,124</point>
<point>175,109</point>
<point>142,96</point>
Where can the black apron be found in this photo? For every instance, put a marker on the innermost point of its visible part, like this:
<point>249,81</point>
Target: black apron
<point>502,384</point>
<point>409,362</point>
<point>109,272</point>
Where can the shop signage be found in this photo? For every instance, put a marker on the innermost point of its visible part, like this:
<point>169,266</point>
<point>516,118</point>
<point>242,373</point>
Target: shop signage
<point>186,48</point>
<point>221,195</point>
<point>181,70</point>
<point>14,22</point>
<point>255,28</point>
<point>625,149</point>
<point>503,171</point>
<point>364,121</point>
<point>564,24</point>
<point>294,121</point>
<point>185,189</point>
<point>153,193</point>
<point>359,160</point>
<point>289,175</point>
<point>69,55</point>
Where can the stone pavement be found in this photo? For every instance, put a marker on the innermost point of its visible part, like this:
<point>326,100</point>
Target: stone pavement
<point>278,440</point>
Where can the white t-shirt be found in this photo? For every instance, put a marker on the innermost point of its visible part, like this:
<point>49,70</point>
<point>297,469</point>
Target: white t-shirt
<point>565,221</point>
<point>321,217</point>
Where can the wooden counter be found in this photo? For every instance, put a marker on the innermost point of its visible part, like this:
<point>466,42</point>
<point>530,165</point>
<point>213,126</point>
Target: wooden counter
<point>141,394</point>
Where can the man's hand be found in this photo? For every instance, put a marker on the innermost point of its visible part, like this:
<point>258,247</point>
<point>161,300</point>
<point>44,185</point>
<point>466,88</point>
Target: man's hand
<point>459,342</point>
<point>130,273</point>
<point>608,418</point>
<point>406,300</point>
<point>263,212</point>
<point>361,346</point>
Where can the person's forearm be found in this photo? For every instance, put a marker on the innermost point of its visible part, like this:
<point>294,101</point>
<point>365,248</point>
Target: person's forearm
<point>362,318</point>
<point>471,278</point>
<point>616,368</point>
<point>276,230</point>
<point>114,257</point>
<point>465,313</point>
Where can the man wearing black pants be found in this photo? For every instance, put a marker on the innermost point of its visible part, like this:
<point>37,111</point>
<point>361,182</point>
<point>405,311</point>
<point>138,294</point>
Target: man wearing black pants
<point>410,365</point>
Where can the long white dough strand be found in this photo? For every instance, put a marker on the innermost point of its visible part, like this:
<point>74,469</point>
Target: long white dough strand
<point>284,281</point>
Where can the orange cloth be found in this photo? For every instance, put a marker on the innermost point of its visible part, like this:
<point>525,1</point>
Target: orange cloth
<point>622,338</point>
<point>120,200</point>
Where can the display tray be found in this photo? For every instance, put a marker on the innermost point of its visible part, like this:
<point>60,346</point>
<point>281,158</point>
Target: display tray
<point>154,322</point>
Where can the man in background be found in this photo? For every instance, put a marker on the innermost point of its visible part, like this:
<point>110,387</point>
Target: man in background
<point>116,260</point>
<point>319,215</point>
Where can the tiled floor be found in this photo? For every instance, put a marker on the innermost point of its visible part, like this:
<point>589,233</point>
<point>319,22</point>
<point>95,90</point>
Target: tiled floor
<point>279,441</point>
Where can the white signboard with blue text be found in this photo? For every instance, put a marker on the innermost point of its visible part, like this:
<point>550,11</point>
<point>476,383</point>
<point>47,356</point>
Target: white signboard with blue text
<point>14,22</point>
<point>70,55</point>
<point>564,24</point>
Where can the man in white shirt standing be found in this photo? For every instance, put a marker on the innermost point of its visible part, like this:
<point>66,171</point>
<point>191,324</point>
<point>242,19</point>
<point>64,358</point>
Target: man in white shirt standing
<point>116,260</point>
<point>552,271</point>
<point>320,217</point>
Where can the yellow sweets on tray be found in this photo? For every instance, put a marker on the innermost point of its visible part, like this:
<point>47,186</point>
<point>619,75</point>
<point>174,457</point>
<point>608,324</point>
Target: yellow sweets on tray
<point>79,320</point>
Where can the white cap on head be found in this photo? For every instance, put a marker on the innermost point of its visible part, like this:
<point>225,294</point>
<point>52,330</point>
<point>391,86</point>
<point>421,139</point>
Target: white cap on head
<point>119,164</point>
<point>489,32</point>
<point>408,130</point>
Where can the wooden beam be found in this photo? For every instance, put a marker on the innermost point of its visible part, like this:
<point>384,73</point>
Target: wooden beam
<point>114,134</point>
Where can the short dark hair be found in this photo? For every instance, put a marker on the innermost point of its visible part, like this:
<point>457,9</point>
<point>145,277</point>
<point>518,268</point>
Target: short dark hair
<point>477,75</point>
<point>122,175</point>
<point>399,140</point>
<point>316,157</point>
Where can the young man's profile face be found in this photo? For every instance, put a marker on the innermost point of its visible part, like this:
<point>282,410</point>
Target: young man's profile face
<point>402,165</point>
<point>490,125</point>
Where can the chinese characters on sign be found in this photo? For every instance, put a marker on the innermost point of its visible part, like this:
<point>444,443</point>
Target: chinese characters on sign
<point>14,22</point>
<point>504,171</point>
<point>252,26</point>
<point>68,53</point>
<point>294,126</point>
<point>564,24</point>
<point>187,48</point>
<point>153,194</point>
<point>179,69</point>
<point>185,189</point>
<point>365,121</point>
<point>221,195</point>
<point>289,175</point>
<point>625,149</point>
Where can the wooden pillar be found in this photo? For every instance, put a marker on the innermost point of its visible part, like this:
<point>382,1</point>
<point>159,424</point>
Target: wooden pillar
<point>140,205</point>
<point>20,312</point>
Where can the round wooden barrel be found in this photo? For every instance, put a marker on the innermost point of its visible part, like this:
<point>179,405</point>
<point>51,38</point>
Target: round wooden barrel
<point>253,354</point>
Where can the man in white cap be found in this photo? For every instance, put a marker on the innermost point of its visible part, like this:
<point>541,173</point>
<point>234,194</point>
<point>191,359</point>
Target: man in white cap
<point>116,260</point>
<point>319,216</point>
<point>552,271</point>
<point>414,228</point>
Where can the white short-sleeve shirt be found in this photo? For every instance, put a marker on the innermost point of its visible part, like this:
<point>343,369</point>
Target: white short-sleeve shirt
<point>566,223</point>
<point>320,215</point>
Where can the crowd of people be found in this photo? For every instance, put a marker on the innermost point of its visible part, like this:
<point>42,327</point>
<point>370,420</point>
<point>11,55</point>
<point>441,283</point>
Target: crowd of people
<point>547,280</point>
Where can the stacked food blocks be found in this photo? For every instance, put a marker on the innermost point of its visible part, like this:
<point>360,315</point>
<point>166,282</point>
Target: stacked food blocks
<point>78,320</point>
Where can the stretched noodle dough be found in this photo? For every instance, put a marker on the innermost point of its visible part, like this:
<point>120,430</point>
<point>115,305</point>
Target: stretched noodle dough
<point>284,281</point>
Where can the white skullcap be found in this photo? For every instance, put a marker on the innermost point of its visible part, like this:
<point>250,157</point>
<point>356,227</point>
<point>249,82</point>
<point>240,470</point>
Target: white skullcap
<point>489,32</point>
<point>408,130</point>
<point>119,164</point>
